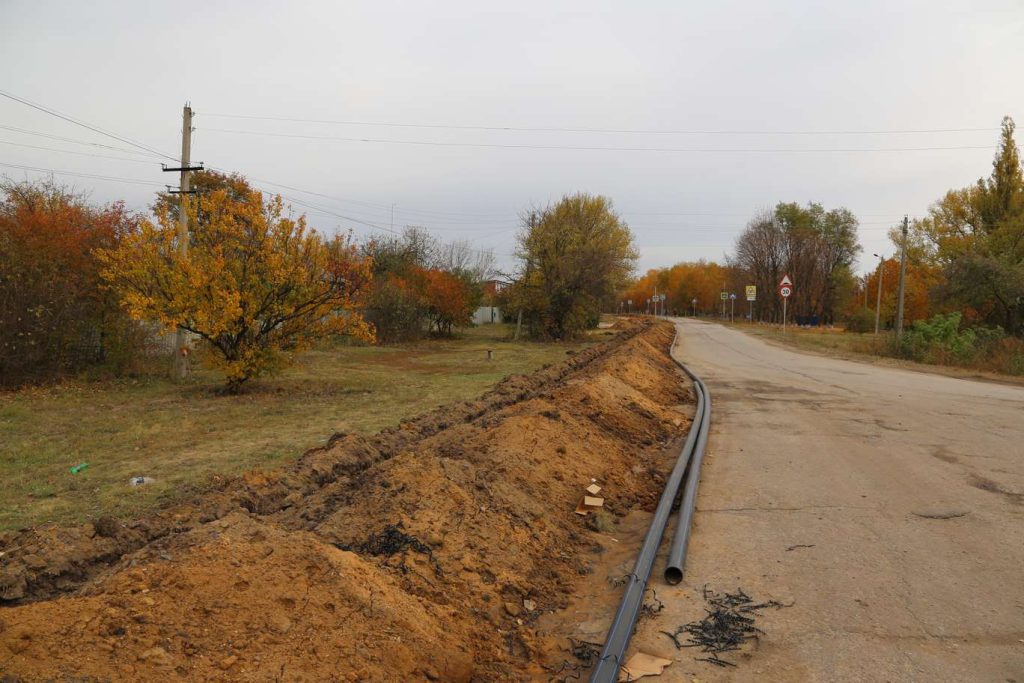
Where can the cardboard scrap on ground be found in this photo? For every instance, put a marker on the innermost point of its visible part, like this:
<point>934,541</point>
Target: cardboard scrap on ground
<point>588,504</point>
<point>642,664</point>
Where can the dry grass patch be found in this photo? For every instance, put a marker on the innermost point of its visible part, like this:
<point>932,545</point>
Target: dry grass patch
<point>182,435</point>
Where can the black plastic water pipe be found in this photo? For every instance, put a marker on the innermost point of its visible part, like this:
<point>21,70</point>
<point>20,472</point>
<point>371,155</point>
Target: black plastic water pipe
<point>607,668</point>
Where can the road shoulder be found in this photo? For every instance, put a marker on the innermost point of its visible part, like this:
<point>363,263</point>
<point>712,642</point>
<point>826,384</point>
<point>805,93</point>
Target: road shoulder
<point>882,361</point>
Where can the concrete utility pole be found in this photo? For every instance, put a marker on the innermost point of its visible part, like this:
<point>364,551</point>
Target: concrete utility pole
<point>903,273</point>
<point>878,304</point>
<point>186,158</point>
<point>181,361</point>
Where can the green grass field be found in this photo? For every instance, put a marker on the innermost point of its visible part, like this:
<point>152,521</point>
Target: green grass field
<point>181,434</point>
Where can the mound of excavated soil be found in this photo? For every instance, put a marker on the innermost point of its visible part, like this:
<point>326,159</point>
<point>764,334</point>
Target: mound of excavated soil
<point>426,552</point>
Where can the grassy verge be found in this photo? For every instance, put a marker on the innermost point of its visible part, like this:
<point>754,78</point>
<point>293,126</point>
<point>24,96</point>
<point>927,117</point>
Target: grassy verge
<point>181,434</point>
<point>834,341</point>
<point>868,348</point>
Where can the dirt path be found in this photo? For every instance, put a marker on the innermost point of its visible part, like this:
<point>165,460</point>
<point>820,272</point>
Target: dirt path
<point>886,506</point>
<point>432,551</point>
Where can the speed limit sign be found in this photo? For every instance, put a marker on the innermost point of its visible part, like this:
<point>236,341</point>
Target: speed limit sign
<point>785,289</point>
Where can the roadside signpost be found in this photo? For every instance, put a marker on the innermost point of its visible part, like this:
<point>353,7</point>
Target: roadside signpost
<point>785,290</point>
<point>732,308</point>
<point>724,296</point>
<point>751,298</point>
<point>694,302</point>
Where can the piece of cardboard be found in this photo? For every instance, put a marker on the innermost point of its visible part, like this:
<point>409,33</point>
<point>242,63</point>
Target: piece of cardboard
<point>593,489</point>
<point>642,664</point>
<point>591,502</point>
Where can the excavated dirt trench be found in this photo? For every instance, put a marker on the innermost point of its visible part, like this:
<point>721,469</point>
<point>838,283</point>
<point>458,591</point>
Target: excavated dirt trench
<point>426,552</point>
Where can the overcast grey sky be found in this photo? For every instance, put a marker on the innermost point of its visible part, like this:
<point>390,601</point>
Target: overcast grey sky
<point>751,69</point>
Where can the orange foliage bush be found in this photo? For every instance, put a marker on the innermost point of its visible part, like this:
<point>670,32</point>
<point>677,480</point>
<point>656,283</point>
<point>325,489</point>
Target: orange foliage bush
<point>54,315</point>
<point>447,299</point>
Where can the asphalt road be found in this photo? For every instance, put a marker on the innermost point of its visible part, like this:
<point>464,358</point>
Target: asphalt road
<point>886,505</point>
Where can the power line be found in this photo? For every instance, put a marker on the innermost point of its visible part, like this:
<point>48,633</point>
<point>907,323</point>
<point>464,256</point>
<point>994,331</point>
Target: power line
<point>325,211</point>
<point>158,153</point>
<point>128,141</point>
<point>366,223</point>
<point>383,228</point>
<point>429,212</point>
<point>131,142</point>
<point>354,219</point>
<point>555,129</point>
<point>69,151</point>
<point>77,142</point>
<point>687,150</point>
<point>296,189</point>
<point>341,199</point>
<point>120,138</point>
<point>359,221</point>
<point>432,221</point>
<point>54,171</point>
<point>432,225</point>
<point>77,122</point>
<point>737,213</point>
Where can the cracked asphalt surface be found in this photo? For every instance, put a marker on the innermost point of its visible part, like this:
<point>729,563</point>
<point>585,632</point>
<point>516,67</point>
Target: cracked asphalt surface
<point>885,505</point>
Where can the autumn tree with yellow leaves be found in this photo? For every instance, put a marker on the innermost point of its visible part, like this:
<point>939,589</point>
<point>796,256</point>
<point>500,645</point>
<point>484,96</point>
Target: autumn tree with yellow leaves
<point>256,285</point>
<point>574,256</point>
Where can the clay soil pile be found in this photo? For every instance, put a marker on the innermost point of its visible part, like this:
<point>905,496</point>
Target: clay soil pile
<point>425,552</point>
